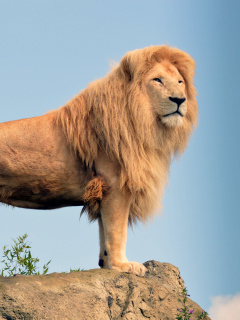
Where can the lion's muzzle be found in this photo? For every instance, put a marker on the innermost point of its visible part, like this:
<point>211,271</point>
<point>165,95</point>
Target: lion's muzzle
<point>179,102</point>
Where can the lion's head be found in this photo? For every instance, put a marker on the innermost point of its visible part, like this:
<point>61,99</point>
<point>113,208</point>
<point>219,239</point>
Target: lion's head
<point>165,75</point>
<point>167,93</point>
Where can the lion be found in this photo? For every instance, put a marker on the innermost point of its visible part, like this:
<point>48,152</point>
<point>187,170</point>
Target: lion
<point>108,149</point>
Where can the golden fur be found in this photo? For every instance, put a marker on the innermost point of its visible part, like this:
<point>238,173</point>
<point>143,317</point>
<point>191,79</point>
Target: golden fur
<point>111,114</point>
<point>108,149</point>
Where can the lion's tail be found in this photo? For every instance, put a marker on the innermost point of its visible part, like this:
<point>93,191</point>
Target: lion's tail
<point>94,192</point>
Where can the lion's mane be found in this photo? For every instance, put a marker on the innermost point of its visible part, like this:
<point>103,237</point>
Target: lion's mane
<point>114,114</point>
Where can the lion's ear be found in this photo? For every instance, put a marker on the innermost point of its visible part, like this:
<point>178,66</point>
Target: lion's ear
<point>125,66</point>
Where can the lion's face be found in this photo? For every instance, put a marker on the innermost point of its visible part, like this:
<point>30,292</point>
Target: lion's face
<point>167,93</point>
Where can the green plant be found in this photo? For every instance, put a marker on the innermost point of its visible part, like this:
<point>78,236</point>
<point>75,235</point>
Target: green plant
<point>18,259</point>
<point>187,311</point>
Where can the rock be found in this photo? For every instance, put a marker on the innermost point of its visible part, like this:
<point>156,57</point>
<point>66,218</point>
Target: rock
<point>94,294</point>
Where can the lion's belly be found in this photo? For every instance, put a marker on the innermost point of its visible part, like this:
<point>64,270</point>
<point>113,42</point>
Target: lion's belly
<point>43,192</point>
<point>46,189</point>
<point>36,168</point>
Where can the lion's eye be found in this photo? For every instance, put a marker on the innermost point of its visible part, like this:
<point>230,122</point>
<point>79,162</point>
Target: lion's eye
<point>180,81</point>
<point>157,80</point>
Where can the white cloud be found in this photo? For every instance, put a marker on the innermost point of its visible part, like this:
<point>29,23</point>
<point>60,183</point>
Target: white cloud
<point>225,308</point>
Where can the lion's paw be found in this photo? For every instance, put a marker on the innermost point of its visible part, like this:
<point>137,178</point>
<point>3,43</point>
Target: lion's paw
<point>131,267</point>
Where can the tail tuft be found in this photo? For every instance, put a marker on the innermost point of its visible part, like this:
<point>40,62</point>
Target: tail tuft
<point>94,192</point>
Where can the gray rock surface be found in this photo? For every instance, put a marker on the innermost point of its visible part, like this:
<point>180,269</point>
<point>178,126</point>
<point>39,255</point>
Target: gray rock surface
<point>94,294</point>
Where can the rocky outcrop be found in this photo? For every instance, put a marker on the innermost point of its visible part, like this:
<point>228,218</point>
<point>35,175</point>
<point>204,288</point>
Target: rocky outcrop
<point>94,294</point>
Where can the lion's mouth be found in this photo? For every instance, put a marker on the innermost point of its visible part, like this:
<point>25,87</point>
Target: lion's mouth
<point>175,112</point>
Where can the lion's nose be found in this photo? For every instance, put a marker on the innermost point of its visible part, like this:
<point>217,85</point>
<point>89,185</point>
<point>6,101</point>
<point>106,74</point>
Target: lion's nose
<point>178,101</point>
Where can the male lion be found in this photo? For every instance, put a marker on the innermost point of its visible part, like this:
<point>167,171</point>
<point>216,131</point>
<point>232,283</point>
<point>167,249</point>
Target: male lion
<point>108,149</point>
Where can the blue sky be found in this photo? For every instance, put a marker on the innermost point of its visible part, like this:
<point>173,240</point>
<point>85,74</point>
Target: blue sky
<point>50,50</point>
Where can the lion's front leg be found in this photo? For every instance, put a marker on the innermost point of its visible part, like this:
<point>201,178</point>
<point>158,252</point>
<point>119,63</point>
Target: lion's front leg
<point>113,235</point>
<point>103,259</point>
